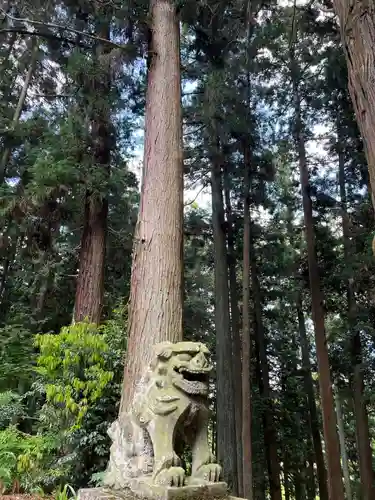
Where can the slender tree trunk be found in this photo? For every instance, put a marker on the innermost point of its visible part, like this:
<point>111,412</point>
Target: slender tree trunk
<point>313,413</point>
<point>90,283</point>
<point>20,105</point>
<point>14,247</point>
<point>214,427</point>
<point>335,484</point>
<point>287,491</point>
<point>357,26</point>
<point>299,486</point>
<point>344,455</point>
<point>362,423</point>
<point>225,418</point>
<point>361,417</point>
<point>247,465</point>
<point>4,276</point>
<point>270,435</point>
<point>235,329</point>
<point>260,478</point>
<point>156,296</point>
<point>310,479</point>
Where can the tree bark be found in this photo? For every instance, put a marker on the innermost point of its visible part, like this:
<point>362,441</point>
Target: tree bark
<point>90,283</point>
<point>310,479</point>
<point>335,484</point>
<point>344,455</point>
<point>357,27</point>
<point>156,296</point>
<point>225,418</point>
<point>259,478</point>
<point>361,417</point>
<point>299,484</point>
<point>235,329</point>
<point>313,413</point>
<point>270,435</point>
<point>362,423</point>
<point>247,465</point>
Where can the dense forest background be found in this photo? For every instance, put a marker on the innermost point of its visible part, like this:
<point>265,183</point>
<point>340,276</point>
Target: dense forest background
<point>278,265</point>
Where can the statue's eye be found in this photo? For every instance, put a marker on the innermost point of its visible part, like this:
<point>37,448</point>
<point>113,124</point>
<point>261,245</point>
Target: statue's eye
<point>184,357</point>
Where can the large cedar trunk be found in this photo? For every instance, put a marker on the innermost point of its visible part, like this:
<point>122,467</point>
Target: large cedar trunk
<point>156,295</point>
<point>90,283</point>
<point>225,418</point>
<point>361,417</point>
<point>270,435</point>
<point>312,413</point>
<point>235,327</point>
<point>357,23</point>
<point>247,466</point>
<point>335,484</point>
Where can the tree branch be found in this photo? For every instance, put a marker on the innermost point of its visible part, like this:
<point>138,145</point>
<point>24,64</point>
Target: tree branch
<point>59,27</point>
<point>49,36</point>
<point>195,197</point>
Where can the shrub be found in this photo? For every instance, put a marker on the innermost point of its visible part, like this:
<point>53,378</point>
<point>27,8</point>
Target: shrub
<point>72,365</point>
<point>11,408</point>
<point>23,458</point>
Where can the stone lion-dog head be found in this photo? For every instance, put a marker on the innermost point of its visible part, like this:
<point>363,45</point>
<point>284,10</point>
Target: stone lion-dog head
<point>184,365</point>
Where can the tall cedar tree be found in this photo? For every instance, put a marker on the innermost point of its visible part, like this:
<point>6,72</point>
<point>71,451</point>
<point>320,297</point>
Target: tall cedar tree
<point>247,469</point>
<point>90,284</point>
<point>225,419</point>
<point>357,26</point>
<point>156,295</point>
<point>335,484</point>
<point>361,416</point>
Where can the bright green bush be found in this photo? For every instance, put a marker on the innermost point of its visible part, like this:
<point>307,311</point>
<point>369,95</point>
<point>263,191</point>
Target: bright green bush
<point>23,457</point>
<point>75,397</point>
<point>73,366</point>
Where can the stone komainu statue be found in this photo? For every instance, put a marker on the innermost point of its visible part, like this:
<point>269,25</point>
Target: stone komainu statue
<point>171,406</point>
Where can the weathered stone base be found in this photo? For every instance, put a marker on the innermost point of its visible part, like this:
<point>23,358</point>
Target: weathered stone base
<point>145,488</point>
<point>211,491</point>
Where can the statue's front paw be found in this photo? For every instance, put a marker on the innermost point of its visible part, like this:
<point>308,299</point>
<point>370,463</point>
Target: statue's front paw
<point>174,476</point>
<point>209,472</point>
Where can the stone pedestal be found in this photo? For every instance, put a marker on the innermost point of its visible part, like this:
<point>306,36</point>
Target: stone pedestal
<point>145,488</point>
<point>148,491</point>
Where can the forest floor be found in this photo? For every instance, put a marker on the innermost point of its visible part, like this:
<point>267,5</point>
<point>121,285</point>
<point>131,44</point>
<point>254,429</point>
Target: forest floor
<point>21,497</point>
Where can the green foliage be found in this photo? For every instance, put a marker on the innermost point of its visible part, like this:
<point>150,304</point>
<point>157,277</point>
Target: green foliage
<point>16,356</point>
<point>73,367</point>
<point>64,493</point>
<point>11,408</point>
<point>23,457</point>
<point>84,444</point>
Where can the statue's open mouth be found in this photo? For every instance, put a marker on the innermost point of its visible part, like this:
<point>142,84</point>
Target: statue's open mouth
<point>194,375</point>
<point>192,381</point>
